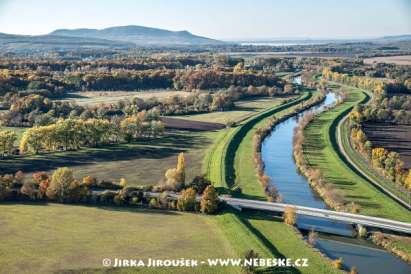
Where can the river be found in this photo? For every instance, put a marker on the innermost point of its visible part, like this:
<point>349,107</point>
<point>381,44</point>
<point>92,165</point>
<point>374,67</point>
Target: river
<point>277,154</point>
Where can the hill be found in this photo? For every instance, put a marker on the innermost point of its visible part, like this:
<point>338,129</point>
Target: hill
<point>139,35</point>
<point>43,43</point>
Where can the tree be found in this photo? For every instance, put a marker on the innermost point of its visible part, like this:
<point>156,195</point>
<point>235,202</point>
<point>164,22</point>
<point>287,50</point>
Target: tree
<point>187,200</point>
<point>200,183</point>
<point>175,177</point>
<point>89,181</point>
<point>407,180</point>
<point>209,200</point>
<point>5,182</point>
<point>312,237</point>
<point>7,139</point>
<point>123,182</point>
<point>28,190</point>
<point>181,168</point>
<point>353,270</point>
<point>337,263</point>
<point>290,217</point>
<point>43,181</point>
<point>31,140</point>
<point>64,188</point>
<point>378,156</point>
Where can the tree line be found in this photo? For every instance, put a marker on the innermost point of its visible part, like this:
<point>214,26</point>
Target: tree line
<point>72,133</point>
<point>191,78</point>
<point>378,86</point>
<point>63,187</point>
<point>395,109</point>
<point>36,109</point>
<point>388,163</point>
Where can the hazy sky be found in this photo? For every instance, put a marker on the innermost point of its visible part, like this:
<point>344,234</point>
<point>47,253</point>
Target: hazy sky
<point>222,19</point>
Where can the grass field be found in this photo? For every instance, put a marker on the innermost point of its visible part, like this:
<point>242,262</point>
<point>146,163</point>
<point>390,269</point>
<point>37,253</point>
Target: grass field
<point>320,150</point>
<point>243,109</point>
<point>53,238</point>
<point>111,97</point>
<point>140,163</point>
<point>404,60</point>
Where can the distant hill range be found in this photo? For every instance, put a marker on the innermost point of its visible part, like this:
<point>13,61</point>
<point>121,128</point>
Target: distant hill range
<point>139,35</point>
<point>109,38</point>
<point>126,37</point>
<point>395,38</point>
<point>313,41</point>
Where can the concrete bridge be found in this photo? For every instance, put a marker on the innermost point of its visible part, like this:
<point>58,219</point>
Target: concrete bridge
<point>349,218</point>
<point>342,217</point>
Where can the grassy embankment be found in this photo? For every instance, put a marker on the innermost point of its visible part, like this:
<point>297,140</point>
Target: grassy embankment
<point>266,235</point>
<point>321,151</point>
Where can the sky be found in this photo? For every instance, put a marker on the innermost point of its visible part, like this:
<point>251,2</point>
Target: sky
<point>220,19</point>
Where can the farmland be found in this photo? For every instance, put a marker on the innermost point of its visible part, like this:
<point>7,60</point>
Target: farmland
<point>243,109</point>
<point>392,137</point>
<point>140,163</point>
<point>404,60</point>
<point>56,232</point>
<point>111,97</point>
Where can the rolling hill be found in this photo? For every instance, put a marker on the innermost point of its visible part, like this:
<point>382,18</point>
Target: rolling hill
<point>113,38</point>
<point>139,35</point>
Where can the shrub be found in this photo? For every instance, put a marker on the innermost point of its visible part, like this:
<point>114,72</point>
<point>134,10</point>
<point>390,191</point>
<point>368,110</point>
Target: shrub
<point>108,185</point>
<point>290,217</point>
<point>199,183</point>
<point>153,203</point>
<point>134,201</point>
<point>362,231</point>
<point>89,181</point>
<point>337,263</point>
<point>107,197</point>
<point>187,200</point>
<point>312,237</point>
<point>355,208</point>
<point>123,182</point>
<point>28,190</point>
<point>61,181</point>
<point>118,200</point>
<point>209,201</point>
<point>42,179</point>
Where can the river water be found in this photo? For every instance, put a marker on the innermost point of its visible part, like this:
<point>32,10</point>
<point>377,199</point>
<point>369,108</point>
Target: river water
<point>277,154</point>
